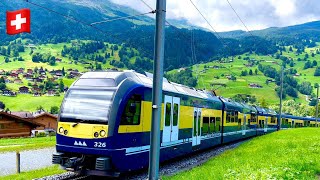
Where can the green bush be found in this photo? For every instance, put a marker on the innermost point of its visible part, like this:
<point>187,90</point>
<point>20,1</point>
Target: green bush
<point>41,134</point>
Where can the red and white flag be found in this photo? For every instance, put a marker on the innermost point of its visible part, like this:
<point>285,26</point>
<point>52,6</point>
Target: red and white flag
<point>18,21</point>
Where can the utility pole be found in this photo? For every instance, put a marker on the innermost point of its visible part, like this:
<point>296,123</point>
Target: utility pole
<point>281,91</point>
<point>154,154</point>
<point>317,106</point>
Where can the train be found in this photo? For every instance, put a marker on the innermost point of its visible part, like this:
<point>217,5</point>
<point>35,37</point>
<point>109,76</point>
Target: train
<point>104,122</point>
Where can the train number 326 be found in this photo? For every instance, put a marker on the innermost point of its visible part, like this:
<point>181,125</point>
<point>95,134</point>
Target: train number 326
<point>99,144</point>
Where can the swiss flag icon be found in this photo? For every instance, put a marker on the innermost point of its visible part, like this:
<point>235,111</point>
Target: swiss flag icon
<point>18,21</point>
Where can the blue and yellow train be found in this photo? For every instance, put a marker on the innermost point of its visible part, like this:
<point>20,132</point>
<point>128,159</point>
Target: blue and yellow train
<point>105,122</point>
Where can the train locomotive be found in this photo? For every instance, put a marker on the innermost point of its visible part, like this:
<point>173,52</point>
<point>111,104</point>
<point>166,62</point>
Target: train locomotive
<point>105,121</point>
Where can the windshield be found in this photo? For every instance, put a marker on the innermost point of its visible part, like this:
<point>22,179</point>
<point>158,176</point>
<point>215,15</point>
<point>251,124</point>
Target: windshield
<point>88,105</point>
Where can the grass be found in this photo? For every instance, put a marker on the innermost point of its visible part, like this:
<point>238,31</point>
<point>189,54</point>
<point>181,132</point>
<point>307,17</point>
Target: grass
<point>287,154</point>
<point>20,144</point>
<point>34,174</point>
<point>27,102</point>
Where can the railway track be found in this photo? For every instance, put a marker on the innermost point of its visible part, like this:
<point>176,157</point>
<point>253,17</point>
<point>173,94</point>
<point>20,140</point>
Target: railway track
<point>168,168</point>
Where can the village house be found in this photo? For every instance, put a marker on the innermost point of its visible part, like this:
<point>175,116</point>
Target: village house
<point>253,85</point>
<point>58,60</point>
<point>28,76</point>
<point>36,94</point>
<point>51,92</point>
<point>23,90</point>
<point>29,71</point>
<point>48,121</point>
<point>2,72</point>
<point>17,81</point>
<point>14,75</point>
<point>7,92</point>
<point>15,126</point>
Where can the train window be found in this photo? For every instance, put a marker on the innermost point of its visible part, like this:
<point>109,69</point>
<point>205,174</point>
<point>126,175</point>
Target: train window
<point>95,82</point>
<point>175,114</point>
<point>212,124</point>
<point>168,114</point>
<point>217,129</point>
<point>236,114</point>
<point>228,118</point>
<point>232,116</point>
<point>205,125</point>
<point>131,115</point>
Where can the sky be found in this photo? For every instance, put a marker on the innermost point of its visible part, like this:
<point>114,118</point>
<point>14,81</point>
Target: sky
<point>256,14</point>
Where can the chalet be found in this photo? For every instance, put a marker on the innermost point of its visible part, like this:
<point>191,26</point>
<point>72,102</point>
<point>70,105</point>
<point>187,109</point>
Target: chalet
<point>48,121</point>
<point>253,85</point>
<point>15,126</point>
<point>37,94</point>
<point>23,90</point>
<point>15,75</point>
<point>51,92</point>
<point>19,71</point>
<point>58,60</point>
<point>43,77</point>
<point>29,71</point>
<point>229,77</point>
<point>37,79</point>
<point>42,72</point>
<point>36,89</point>
<point>31,46</point>
<point>296,75</point>
<point>2,72</point>
<point>17,81</point>
<point>28,76</point>
<point>70,76</point>
<point>6,92</point>
<point>52,72</point>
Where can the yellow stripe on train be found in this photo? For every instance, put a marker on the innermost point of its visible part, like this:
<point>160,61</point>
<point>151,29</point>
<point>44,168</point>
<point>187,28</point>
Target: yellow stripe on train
<point>82,130</point>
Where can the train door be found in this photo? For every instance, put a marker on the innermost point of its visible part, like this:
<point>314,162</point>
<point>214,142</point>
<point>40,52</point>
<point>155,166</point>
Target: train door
<point>266,125</point>
<point>244,125</point>
<point>196,133</point>
<point>171,119</point>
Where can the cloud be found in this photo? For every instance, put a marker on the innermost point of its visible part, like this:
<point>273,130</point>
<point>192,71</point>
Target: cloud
<point>256,14</point>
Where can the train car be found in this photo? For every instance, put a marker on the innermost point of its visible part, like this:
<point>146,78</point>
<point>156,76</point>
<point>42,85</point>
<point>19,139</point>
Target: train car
<point>105,122</point>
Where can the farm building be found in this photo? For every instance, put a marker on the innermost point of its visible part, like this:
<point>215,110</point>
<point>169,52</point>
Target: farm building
<point>15,126</point>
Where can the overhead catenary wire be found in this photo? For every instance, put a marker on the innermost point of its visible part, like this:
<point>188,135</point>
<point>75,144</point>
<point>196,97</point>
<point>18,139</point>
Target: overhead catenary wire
<point>122,18</point>
<point>83,22</point>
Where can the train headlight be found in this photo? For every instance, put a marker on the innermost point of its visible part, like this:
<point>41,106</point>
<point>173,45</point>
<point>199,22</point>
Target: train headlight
<point>96,134</point>
<point>65,132</point>
<point>61,130</point>
<point>102,133</point>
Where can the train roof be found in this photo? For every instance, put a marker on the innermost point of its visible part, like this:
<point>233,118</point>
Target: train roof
<point>299,118</point>
<point>114,79</point>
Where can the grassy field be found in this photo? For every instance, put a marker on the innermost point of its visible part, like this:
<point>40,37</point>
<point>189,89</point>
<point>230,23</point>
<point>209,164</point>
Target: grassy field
<point>20,144</point>
<point>27,102</point>
<point>287,154</point>
<point>34,174</point>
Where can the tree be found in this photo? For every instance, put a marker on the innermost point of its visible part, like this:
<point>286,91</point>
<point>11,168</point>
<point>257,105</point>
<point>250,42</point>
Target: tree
<point>2,80</point>
<point>317,72</point>
<point>54,110</point>
<point>40,108</point>
<point>264,103</point>
<point>3,86</point>
<point>61,86</point>
<point>314,63</point>
<point>305,88</point>
<point>244,73</point>
<point>256,71</point>
<point>250,72</point>
<point>63,71</point>
<point>2,105</point>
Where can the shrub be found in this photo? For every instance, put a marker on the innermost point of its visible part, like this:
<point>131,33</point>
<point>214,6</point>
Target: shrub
<point>41,134</point>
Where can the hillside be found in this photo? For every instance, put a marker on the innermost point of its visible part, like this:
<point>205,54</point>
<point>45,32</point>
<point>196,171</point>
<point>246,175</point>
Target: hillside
<point>241,77</point>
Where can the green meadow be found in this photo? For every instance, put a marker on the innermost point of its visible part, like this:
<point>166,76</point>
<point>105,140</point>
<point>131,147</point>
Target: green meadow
<point>286,154</point>
<point>21,144</point>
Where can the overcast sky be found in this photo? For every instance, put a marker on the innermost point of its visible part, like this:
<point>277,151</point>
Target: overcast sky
<point>256,14</point>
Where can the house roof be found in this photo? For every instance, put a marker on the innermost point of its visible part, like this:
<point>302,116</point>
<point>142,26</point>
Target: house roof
<point>21,119</point>
<point>44,114</point>
<point>23,114</point>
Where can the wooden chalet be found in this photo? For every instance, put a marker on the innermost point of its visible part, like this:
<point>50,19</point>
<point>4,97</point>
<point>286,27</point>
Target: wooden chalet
<point>23,90</point>
<point>17,81</point>
<point>7,92</point>
<point>29,71</point>
<point>15,126</point>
